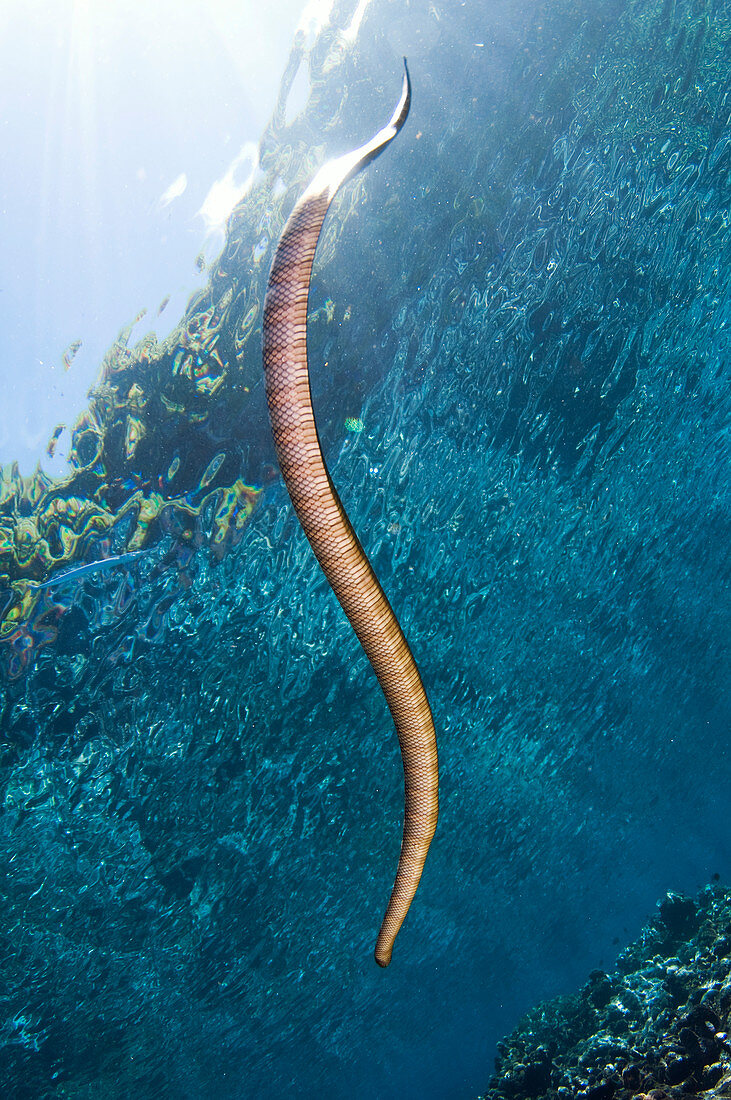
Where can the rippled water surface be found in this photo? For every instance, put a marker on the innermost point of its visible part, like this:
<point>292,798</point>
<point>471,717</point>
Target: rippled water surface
<point>522,311</point>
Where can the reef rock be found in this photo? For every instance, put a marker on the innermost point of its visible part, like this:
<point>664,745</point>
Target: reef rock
<point>657,1027</point>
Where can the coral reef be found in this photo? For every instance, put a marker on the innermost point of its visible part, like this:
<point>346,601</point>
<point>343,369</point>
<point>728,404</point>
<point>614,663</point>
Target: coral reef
<point>657,1027</point>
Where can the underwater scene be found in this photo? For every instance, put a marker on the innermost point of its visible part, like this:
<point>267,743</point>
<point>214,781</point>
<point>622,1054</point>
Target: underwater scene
<point>519,339</point>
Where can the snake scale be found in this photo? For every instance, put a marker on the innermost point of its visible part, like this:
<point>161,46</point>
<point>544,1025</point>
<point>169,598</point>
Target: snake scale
<point>326,524</point>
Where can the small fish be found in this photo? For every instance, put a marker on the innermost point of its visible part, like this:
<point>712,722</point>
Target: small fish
<point>52,442</point>
<point>212,469</point>
<point>260,248</point>
<point>70,352</point>
<point>173,468</point>
<point>174,191</point>
<point>89,567</point>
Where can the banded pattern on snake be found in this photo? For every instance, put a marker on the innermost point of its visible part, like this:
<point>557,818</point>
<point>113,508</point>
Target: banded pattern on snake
<point>326,524</point>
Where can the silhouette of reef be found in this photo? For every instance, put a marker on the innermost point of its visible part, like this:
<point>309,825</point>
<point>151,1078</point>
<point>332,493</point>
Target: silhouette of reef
<point>175,439</point>
<point>657,1027</point>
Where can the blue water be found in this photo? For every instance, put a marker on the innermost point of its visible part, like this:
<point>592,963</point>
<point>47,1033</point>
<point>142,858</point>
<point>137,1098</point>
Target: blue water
<point>202,787</point>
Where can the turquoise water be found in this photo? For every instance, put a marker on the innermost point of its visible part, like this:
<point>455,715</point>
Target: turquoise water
<point>526,303</point>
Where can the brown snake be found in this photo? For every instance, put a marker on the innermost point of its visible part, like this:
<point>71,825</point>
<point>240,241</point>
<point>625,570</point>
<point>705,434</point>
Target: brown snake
<point>328,528</point>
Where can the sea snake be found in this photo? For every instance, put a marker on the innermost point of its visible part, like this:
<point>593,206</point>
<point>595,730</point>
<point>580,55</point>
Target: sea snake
<point>327,526</point>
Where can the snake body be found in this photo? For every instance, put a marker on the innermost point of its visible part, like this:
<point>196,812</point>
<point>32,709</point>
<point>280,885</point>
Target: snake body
<point>327,526</point>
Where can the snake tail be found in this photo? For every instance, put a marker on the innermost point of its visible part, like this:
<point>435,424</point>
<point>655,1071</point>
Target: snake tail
<point>327,526</point>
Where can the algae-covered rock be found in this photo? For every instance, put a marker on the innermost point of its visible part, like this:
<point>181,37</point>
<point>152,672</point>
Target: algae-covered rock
<point>656,1027</point>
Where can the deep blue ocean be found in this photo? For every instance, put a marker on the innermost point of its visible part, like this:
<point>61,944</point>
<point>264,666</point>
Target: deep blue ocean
<point>519,341</point>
